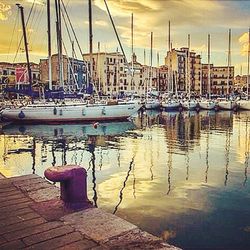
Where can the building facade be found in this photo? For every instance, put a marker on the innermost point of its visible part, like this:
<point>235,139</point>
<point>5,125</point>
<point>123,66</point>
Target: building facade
<point>12,73</point>
<point>219,76</point>
<point>74,72</point>
<point>185,70</point>
<point>240,83</point>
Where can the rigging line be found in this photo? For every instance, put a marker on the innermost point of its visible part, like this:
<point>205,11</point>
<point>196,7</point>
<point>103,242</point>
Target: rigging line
<point>67,28</point>
<point>117,36</point>
<point>12,36</point>
<point>67,15</point>
<point>72,70</point>
<point>36,26</point>
<point>26,24</point>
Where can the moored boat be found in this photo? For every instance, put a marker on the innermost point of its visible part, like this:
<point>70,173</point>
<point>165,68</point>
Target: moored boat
<point>189,104</point>
<point>207,104</point>
<point>244,104</point>
<point>225,104</point>
<point>71,112</point>
<point>171,105</point>
<point>152,104</point>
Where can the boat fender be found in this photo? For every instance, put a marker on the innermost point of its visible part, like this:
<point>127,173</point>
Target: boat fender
<point>21,115</point>
<point>83,112</point>
<point>60,112</point>
<point>55,111</point>
<point>103,111</point>
<point>95,125</point>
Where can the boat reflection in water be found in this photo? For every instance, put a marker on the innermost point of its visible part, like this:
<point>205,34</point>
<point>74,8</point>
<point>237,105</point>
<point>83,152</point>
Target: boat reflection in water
<point>72,130</point>
<point>182,176</point>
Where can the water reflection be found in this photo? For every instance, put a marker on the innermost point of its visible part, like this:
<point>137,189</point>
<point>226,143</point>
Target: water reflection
<point>165,172</point>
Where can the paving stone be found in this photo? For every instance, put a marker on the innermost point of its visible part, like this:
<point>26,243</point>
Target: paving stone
<point>51,210</point>
<point>16,196</point>
<point>44,236</point>
<point>24,183</point>
<point>7,190</point>
<point>13,202</point>
<point>58,242</point>
<point>32,230</point>
<point>18,244</point>
<point>21,211</point>
<point>45,194</point>
<point>23,177</point>
<point>18,178</point>
<point>81,245</point>
<point>135,239</point>
<point>2,240</point>
<point>97,224</point>
<point>10,193</point>
<point>5,185</point>
<point>35,186</point>
<point>19,218</point>
<point>15,207</point>
<point>21,225</point>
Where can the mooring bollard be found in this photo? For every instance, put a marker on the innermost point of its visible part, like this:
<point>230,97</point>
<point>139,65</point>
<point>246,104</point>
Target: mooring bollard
<point>73,184</point>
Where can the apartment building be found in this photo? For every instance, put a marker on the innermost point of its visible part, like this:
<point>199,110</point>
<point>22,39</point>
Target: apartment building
<point>185,67</point>
<point>240,82</point>
<point>218,79</point>
<point>74,72</point>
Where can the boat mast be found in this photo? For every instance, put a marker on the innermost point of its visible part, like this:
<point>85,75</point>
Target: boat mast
<point>188,68</point>
<point>151,59</point>
<point>26,45</point>
<point>201,79</point>
<point>59,41</point>
<point>228,60</point>
<point>132,44</point>
<point>90,42</point>
<point>208,56</point>
<point>99,71</point>
<point>158,76</point>
<point>49,44</point>
<point>248,59</point>
<point>170,61</point>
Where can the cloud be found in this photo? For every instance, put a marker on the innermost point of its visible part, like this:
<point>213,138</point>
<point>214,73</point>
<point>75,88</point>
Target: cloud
<point>243,40</point>
<point>5,11</point>
<point>40,2</point>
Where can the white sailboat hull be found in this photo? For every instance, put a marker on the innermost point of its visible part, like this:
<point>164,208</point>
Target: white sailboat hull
<point>169,106</point>
<point>189,105</point>
<point>55,113</point>
<point>152,104</point>
<point>244,104</point>
<point>207,105</point>
<point>227,105</point>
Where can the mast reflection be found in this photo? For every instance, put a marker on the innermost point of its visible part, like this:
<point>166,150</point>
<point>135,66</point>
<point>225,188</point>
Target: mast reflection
<point>124,184</point>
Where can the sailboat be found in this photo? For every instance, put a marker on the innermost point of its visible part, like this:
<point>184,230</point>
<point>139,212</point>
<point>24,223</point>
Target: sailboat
<point>207,104</point>
<point>171,104</point>
<point>69,111</point>
<point>226,103</point>
<point>245,104</point>
<point>151,103</point>
<point>188,104</point>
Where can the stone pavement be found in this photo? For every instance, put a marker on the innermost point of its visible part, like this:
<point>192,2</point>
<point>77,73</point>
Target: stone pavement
<point>33,217</point>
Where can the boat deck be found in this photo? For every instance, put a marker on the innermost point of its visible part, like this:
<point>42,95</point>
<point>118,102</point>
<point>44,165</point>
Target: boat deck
<point>33,217</point>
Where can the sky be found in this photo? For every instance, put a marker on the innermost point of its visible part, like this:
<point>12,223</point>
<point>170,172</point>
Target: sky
<point>195,17</point>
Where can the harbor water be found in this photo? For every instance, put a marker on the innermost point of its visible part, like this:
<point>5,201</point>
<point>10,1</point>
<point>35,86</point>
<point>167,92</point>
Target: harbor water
<point>180,176</point>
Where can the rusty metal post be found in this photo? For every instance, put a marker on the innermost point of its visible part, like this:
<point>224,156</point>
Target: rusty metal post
<point>73,184</point>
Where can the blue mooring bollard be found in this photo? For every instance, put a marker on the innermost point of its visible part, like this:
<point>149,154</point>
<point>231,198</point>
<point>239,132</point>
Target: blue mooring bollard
<point>73,184</point>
